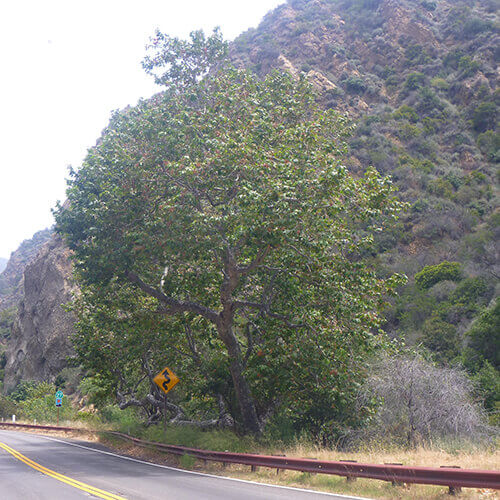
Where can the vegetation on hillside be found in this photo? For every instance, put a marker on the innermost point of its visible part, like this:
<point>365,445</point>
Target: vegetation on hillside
<point>421,79</point>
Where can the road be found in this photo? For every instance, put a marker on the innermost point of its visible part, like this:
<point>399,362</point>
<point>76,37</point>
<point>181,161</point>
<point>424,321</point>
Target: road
<point>35,467</point>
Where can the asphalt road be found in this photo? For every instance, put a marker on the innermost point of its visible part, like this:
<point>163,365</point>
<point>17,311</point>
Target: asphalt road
<point>40,467</point>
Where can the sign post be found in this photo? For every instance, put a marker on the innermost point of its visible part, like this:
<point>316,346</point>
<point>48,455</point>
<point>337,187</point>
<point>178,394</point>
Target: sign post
<point>59,398</point>
<point>166,380</point>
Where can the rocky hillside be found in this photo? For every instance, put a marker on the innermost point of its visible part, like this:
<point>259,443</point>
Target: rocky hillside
<point>11,279</point>
<point>419,78</point>
<point>40,340</point>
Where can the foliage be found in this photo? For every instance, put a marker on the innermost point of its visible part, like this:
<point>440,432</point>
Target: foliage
<point>8,407</point>
<point>177,62</point>
<point>441,338</point>
<point>430,275</point>
<point>231,194</point>
<point>415,80</point>
<point>485,116</point>
<point>488,385</point>
<point>489,143</point>
<point>6,320</point>
<point>36,400</point>
<point>484,336</point>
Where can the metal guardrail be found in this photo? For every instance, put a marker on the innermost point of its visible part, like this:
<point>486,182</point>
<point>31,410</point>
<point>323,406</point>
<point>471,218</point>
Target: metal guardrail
<point>454,478</point>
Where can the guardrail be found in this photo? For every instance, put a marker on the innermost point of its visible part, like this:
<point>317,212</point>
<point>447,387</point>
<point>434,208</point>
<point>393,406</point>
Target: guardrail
<point>454,478</point>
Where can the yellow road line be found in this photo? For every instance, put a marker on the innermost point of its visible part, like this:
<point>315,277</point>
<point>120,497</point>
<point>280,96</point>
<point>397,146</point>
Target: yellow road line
<point>64,479</point>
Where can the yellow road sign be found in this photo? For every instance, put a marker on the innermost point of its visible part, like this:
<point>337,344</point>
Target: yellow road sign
<point>166,379</point>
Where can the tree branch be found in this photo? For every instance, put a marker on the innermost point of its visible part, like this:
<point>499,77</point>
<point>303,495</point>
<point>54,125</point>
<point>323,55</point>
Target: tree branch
<point>173,305</point>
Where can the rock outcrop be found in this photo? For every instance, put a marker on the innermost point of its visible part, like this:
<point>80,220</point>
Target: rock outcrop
<point>40,341</point>
<point>11,279</point>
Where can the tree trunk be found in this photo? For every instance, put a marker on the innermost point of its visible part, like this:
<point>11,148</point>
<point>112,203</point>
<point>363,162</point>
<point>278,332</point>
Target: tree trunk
<point>246,403</point>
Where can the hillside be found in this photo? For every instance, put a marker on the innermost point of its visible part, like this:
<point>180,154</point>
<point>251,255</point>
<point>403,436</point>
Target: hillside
<point>419,78</point>
<point>11,279</point>
<point>3,263</point>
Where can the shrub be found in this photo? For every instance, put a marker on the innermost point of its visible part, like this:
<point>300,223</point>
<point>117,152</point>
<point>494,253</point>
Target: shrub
<point>416,54</point>
<point>484,336</point>
<point>429,5</point>
<point>419,402</point>
<point>468,66</point>
<point>6,320</point>
<point>355,85</point>
<point>485,116</point>
<point>440,83</point>
<point>441,338</point>
<point>487,381</point>
<point>414,81</point>
<point>405,113</point>
<point>441,187</point>
<point>474,26</point>
<point>7,407</point>
<point>472,291</point>
<point>489,144</point>
<point>430,275</point>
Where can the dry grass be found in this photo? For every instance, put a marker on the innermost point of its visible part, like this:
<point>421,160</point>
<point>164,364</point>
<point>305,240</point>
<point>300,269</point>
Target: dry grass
<point>424,457</point>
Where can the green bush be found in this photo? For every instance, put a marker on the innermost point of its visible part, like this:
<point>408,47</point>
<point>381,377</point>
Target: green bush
<point>405,113</point>
<point>484,335</point>
<point>414,81</point>
<point>355,85</point>
<point>489,144</point>
<point>485,116</point>
<point>6,320</point>
<point>416,54</point>
<point>475,25</point>
<point>36,400</point>
<point>488,385</point>
<point>430,275</point>
<point>472,291</point>
<point>8,407</point>
<point>441,338</point>
<point>468,66</point>
<point>440,83</point>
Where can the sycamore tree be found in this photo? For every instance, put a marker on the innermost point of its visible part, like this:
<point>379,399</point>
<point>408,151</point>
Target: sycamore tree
<point>221,210</point>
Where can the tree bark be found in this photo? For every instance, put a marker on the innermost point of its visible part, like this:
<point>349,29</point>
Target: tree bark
<point>250,419</point>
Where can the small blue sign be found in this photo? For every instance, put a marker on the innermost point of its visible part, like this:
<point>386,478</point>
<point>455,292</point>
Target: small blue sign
<point>58,401</point>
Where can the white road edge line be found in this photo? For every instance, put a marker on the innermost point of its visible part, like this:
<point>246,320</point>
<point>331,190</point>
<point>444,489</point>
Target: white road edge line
<point>338,495</point>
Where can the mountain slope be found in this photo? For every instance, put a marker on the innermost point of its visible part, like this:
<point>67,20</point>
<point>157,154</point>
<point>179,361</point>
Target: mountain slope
<point>420,80</point>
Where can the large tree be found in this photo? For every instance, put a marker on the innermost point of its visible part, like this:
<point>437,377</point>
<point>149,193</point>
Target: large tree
<point>224,204</point>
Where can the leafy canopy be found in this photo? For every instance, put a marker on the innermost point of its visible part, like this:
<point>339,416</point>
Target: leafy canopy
<point>222,207</point>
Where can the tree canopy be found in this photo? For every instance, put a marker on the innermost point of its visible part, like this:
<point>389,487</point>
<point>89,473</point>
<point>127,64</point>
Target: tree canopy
<point>215,225</point>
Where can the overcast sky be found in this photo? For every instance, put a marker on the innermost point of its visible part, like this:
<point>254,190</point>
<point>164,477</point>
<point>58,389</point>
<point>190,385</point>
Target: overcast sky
<point>65,66</point>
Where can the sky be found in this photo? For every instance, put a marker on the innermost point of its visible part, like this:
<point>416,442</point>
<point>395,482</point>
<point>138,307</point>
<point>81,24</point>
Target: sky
<point>65,65</point>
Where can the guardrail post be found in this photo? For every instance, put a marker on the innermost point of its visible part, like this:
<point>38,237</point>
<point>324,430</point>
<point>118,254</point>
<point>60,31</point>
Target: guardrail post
<point>395,483</point>
<point>350,479</point>
<point>452,490</point>
<point>278,470</point>
<point>253,468</point>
